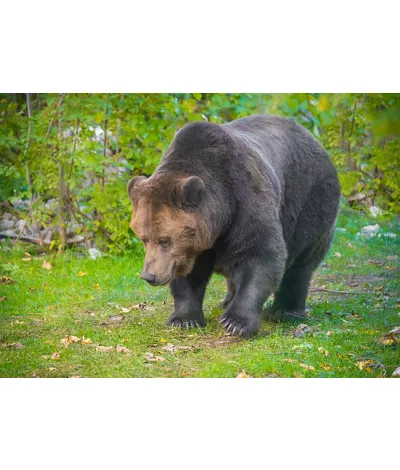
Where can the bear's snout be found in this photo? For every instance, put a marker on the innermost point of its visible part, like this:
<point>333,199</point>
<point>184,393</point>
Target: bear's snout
<point>150,278</point>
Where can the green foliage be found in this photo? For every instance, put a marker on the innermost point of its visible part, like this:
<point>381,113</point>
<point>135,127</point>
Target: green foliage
<point>82,149</point>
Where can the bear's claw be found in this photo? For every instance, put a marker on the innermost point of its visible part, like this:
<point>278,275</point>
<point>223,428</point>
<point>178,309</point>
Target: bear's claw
<point>238,327</point>
<point>185,324</point>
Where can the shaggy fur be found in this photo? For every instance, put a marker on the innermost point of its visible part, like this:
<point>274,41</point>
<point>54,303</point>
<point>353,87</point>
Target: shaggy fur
<point>256,200</point>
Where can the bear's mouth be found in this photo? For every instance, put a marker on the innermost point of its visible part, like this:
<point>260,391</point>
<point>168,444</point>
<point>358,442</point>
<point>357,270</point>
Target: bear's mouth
<point>168,279</point>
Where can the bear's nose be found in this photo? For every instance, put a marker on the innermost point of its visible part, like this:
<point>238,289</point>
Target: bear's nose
<point>150,278</point>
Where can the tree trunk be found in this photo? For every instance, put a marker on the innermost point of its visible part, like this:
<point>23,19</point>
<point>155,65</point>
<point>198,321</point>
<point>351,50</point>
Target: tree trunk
<point>61,190</point>
<point>27,169</point>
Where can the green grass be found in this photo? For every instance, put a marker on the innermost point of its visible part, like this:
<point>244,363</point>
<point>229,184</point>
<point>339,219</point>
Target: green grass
<point>43,306</point>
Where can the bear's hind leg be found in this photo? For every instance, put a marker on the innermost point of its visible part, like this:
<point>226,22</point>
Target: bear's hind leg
<point>229,295</point>
<point>290,299</point>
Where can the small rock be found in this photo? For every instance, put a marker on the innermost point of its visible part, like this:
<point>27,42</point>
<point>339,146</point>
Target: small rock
<point>302,330</point>
<point>369,231</point>
<point>94,253</point>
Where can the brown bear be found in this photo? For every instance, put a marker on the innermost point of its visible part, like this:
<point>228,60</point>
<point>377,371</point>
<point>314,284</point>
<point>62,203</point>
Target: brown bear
<point>255,199</point>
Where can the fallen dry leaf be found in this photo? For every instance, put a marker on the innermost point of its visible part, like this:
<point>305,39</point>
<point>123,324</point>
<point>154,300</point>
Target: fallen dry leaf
<point>122,349</point>
<point>26,259</point>
<point>391,338</point>
<point>97,286</point>
<point>75,377</point>
<point>306,366</point>
<point>171,348</point>
<point>86,340</point>
<point>291,361</point>
<point>81,273</point>
<point>244,375</point>
<point>328,333</point>
<point>104,348</point>
<point>52,368</point>
<point>55,356</point>
<point>16,346</point>
<point>337,254</point>
<point>302,330</point>
<point>325,366</point>
<point>141,306</point>
<point>67,340</point>
<point>47,265</point>
<point>323,351</point>
<point>150,357</point>
<point>365,365</point>
<point>396,372</point>
<point>7,280</point>
<point>3,298</point>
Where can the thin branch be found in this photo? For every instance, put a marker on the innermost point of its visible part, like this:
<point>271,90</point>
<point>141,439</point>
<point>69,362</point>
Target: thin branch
<point>344,292</point>
<point>60,100</point>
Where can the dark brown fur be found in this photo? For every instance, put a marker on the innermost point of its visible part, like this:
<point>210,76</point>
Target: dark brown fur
<point>255,200</point>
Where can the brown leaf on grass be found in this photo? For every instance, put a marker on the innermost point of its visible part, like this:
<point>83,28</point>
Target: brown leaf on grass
<point>391,338</point>
<point>172,349</point>
<point>47,265</point>
<point>329,333</point>
<point>325,367</point>
<point>244,375</point>
<point>306,366</point>
<point>26,259</point>
<point>55,356</point>
<point>86,340</point>
<point>365,365</point>
<point>3,298</point>
<point>302,330</point>
<point>104,348</point>
<point>291,361</point>
<point>52,368</point>
<point>7,280</point>
<point>150,357</point>
<point>122,349</point>
<point>16,345</point>
<point>141,306</point>
<point>67,340</point>
<point>396,372</point>
<point>323,351</point>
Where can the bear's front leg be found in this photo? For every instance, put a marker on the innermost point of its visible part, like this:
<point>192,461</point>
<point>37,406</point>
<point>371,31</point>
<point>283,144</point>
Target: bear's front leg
<point>188,293</point>
<point>254,283</point>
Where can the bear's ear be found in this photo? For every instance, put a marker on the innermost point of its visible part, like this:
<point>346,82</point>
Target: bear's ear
<point>133,185</point>
<point>189,192</point>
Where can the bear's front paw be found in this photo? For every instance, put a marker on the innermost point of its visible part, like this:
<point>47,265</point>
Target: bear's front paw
<point>183,321</point>
<point>245,326</point>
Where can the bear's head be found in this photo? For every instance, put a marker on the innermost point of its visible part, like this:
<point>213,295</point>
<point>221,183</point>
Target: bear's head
<point>166,217</point>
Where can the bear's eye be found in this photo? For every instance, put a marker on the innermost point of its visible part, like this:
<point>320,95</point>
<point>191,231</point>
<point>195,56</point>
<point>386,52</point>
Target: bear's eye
<point>145,241</point>
<point>164,242</point>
